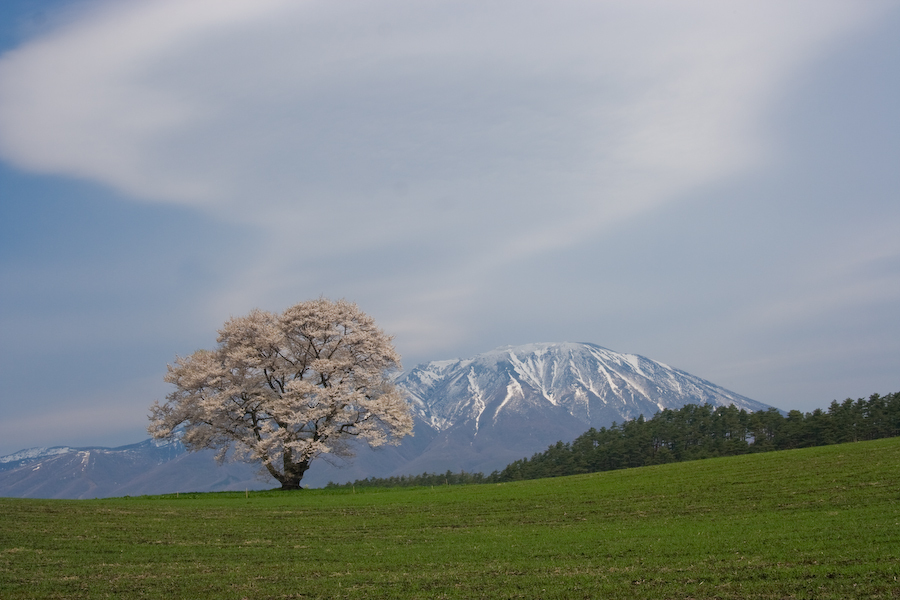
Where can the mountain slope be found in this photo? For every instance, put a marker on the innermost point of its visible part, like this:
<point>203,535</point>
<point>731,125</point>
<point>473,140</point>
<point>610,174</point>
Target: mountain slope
<point>592,384</point>
<point>513,401</point>
<point>149,467</point>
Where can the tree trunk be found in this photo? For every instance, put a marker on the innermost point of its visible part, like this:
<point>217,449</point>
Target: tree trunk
<point>293,472</point>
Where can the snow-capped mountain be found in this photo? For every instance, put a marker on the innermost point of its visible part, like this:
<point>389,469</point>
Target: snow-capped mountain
<point>474,414</point>
<point>594,385</point>
<point>514,401</point>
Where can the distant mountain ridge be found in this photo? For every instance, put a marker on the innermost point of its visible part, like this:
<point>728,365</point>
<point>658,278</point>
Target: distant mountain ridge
<point>148,467</point>
<point>474,414</point>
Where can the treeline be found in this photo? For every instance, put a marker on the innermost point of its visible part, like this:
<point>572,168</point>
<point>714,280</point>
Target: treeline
<point>689,433</point>
<point>425,479</point>
<point>695,432</point>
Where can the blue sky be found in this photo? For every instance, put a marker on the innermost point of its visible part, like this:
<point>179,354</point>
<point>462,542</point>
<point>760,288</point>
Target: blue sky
<point>711,185</point>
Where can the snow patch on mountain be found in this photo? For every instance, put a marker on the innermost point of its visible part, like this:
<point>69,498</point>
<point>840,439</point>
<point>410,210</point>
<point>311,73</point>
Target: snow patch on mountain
<point>591,383</point>
<point>35,453</point>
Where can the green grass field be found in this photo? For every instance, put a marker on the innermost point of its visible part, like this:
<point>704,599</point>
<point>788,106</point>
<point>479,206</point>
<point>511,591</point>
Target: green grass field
<point>814,523</point>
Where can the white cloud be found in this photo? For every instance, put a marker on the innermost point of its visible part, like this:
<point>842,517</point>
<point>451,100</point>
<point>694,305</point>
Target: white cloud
<point>78,101</point>
<point>212,101</point>
<point>480,133</point>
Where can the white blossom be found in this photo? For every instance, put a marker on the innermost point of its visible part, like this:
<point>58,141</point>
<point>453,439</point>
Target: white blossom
<point>285,389</point>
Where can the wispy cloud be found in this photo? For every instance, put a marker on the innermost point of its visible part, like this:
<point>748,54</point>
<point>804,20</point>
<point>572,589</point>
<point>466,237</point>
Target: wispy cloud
<point>267,109</point>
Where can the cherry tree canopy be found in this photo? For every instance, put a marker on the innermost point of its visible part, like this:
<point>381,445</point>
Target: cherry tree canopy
<point>285,389</point>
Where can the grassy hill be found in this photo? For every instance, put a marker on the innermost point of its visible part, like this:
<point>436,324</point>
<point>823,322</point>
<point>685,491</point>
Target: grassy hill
<point>812,523</point>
